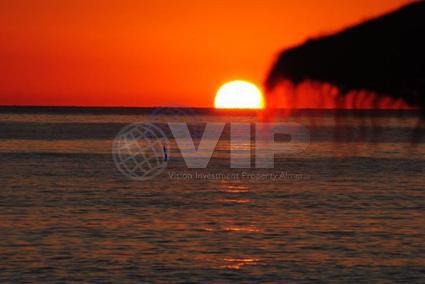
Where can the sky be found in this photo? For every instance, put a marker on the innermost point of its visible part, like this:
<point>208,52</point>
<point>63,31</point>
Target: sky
<point>154,52</point>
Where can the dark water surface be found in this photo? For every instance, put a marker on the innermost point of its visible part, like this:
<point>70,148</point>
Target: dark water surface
<point>351,208</point>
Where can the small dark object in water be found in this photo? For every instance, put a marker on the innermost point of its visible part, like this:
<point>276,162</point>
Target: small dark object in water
<point>165,153</point>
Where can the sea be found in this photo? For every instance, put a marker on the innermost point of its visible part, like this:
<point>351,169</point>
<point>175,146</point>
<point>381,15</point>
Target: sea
<point>348,207</point>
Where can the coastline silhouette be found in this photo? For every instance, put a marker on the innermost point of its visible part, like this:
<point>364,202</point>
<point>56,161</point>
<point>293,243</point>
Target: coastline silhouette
<point>384,56</point>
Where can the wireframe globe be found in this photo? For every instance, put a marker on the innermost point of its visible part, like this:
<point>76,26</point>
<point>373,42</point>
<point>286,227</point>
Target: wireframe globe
<point>140,151</point>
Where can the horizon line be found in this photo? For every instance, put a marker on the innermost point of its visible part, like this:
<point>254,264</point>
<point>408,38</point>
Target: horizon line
<point>196,107</point>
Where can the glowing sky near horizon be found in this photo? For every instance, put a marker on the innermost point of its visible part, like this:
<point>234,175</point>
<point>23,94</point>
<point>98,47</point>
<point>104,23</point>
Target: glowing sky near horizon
<point>154,52</point>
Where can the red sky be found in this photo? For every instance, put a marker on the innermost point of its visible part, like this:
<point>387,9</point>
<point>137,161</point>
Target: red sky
<point>154,52</point>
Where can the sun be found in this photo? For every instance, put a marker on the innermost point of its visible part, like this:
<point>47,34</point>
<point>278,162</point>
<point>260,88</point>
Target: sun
<point>239,94</point>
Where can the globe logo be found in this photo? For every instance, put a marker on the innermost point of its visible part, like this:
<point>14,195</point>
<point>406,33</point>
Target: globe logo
<point>140,151</point>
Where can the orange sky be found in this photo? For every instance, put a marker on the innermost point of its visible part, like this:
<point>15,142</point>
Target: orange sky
<point>153,52</point>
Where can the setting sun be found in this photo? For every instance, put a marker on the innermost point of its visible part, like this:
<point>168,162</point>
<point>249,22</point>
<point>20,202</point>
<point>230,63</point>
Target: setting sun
<point>239,94</point>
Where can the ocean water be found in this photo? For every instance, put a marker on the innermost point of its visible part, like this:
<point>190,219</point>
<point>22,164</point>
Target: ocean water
<point>350,208</point>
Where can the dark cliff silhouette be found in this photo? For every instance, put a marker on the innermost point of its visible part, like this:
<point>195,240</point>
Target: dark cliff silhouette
<point>385,55</point>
